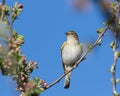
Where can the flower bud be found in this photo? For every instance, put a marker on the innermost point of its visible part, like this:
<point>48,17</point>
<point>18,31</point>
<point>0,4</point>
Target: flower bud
<point>9,63</point>
<point>23,78</point>
<point>35,63</point>
<point>45,84</point>
<point>10,45</point>
<point>20,6</point>
<point>20,88</point>
<point>30,62</point>
<point>0,45</point>
<point>10,39</point>
<point>23,58</point>
<point>17,49</point>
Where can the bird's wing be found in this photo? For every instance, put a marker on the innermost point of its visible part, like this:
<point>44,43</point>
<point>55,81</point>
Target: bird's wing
<point>81,48</point>
<point>62,47</point>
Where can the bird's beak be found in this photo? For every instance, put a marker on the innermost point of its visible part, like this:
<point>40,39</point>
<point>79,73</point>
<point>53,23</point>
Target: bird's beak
<point>66,33</point>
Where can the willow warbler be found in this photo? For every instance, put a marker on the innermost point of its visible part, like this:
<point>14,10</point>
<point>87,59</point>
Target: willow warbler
<point>71,51</point>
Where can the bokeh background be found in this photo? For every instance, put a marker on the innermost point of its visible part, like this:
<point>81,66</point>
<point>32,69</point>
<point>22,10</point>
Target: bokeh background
<point>43,23</point>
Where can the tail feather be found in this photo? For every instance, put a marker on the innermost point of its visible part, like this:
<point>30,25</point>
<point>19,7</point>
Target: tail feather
<point>67,81</point>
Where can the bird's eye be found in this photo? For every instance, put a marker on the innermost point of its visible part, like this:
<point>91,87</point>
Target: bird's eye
<point>72,33</point>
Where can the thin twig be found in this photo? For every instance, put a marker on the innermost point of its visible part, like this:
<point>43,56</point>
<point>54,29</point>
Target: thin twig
<point>113,68</point>
<point>80,60</point>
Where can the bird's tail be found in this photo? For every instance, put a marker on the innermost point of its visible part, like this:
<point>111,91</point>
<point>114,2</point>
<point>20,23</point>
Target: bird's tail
<point>67,79</point>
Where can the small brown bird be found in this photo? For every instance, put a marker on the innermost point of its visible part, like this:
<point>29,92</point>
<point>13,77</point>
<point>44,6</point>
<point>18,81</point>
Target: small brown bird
<point>71,51</point>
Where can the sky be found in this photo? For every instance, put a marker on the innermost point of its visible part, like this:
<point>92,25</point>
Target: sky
<point>44,23</point>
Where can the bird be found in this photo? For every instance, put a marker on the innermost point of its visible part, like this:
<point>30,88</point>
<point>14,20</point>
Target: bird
<point>71,51</point>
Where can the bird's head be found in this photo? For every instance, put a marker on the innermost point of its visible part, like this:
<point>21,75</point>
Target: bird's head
<point>71,35</point>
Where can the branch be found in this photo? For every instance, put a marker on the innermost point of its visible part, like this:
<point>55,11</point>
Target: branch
<point>113,68</point>
<point>80,60</point>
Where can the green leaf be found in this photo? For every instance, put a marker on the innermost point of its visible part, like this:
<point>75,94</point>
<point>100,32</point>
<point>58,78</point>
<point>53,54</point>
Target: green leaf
<point>117,54</point>
<point>90,46</point>
<point>20,39</point>
<point>100,30</point>
<point>113,4</point>
<point>112,44</point>
<point>38,91</point>
<point>36,80</point>
<point>118,80</point>
<point>15,33</point>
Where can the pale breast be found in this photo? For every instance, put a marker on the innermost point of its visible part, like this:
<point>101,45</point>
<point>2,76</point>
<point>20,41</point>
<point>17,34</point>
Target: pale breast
<point>71,53</point>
